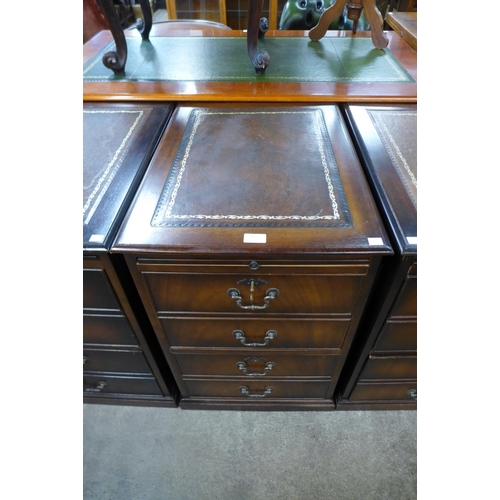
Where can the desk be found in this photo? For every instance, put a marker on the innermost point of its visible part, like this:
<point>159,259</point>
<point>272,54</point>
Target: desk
<point>405,25</point>
<point>261,89</point>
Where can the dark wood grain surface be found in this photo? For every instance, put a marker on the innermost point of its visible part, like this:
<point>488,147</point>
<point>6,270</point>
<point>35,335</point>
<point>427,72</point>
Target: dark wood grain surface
<point>405,25</point>
<point>139,233</point>
<point>381,370</point>
<point>386,139</point>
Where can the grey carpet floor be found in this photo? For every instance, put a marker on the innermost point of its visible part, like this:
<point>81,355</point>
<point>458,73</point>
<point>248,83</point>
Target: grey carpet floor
<point>171,454</point>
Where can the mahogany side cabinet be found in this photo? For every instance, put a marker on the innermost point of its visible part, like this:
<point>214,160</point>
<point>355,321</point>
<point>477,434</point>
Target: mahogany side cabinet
<point>254,242</point>
<point>381,371</point>
<point>121,361</point>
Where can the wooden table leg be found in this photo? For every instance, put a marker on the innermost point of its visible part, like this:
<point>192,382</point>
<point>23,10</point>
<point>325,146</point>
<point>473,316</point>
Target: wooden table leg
<point>333,12</point>
<point>114,60</point>
<point>257,28</point>
<point>144,25</point>
<point>372,15</point>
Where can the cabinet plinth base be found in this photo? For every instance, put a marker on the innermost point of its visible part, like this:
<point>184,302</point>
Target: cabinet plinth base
<point>288,405</point>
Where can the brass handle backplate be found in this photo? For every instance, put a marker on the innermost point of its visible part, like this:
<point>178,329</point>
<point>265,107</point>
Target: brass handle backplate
<point>235,294</point>
<point>412,393</point>
<point>100,386</point>
<point>239,335</point>
<point>241,365</point>
<point>244,390</point>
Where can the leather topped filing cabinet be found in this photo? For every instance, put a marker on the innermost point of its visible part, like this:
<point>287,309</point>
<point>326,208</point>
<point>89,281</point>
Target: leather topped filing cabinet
<point>254,242</point>
<point>382,372</point>
<point>119,361</point>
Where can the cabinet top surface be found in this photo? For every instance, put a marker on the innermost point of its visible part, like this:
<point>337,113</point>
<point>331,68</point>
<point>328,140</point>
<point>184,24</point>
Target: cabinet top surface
<point>246,179</point>
<point>405,24</point>
<point>188,66</point>
<point>405,21</point>
<point>388,139</point>
<point>118,141</point>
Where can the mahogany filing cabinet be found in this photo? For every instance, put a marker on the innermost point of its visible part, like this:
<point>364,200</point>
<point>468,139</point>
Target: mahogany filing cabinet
<point>121,362</point>
<point>254,242</point>
<point>381,371</point>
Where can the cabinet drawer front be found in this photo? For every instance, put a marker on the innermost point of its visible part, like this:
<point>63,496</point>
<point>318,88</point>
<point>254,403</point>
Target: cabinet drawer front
<point>110,330</point>
<point>397,336</point>
<point>257,389</point>
<point>98,384</point>
<point>385,392</point>
<point>252,364</point>
<point>406,302</point>
<point>114,361</point>
<point>390,368</point>
<point>266,333</point>
<point>297,294</point>
<point>97,291</point>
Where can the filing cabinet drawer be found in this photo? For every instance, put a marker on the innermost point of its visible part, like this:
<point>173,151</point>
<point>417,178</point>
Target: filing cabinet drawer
<point>251,364</point>
<point>253,390</point>
<point>173,292</point>
<point>264,333</point>
<point>397,336</point>
<point>406,303</point>
<point>107,330</point>
<point>97,291</point>
<point>387,391</point>
<point>105,384</point>
<point>390,368</point>
<point>97,360</point>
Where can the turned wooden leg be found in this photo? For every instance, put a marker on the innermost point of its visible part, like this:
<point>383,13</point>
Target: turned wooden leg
<point>374,17</point>
<point>257,28</point>
<point>144,25</point>
<point>354,8</point>
<point>114,60</point>
<point>334,11</point>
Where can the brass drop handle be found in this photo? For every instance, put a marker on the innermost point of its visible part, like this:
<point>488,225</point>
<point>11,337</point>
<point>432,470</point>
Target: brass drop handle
<point>241,365</point>
<point>235,294</point>
<point>239,335</point>
<point>412,393</point>
<point>244,390</point>
<point>100,386</point>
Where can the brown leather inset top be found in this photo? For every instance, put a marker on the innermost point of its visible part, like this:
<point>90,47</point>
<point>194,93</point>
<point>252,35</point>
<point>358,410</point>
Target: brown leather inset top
<point>234,169</point>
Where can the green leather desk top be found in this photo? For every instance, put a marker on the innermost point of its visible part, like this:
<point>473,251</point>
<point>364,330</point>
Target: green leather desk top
<point>293,59</point>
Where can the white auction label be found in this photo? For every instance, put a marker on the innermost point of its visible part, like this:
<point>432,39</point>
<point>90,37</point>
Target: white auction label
<point>375,241</point>
<point>97,238</point>
<point>412,240</point>
<point>254,238</point>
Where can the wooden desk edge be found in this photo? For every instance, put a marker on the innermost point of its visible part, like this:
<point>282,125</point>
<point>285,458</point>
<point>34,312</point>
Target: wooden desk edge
<point>396,22</point>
